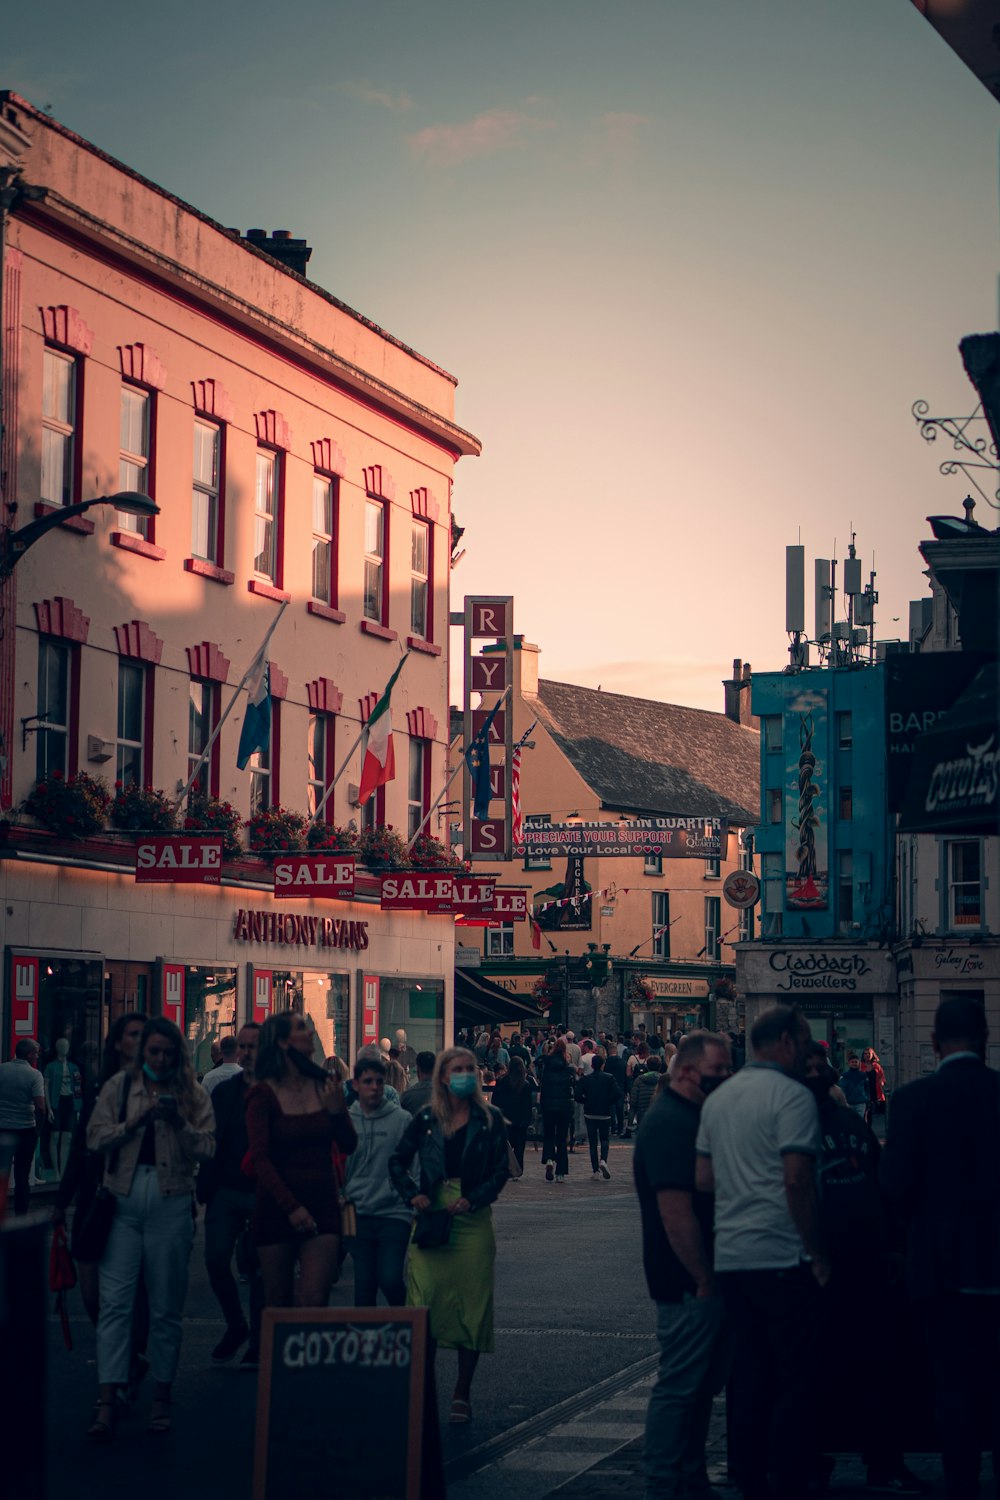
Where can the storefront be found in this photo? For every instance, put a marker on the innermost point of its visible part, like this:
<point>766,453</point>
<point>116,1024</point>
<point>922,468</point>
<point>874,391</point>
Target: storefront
<point>934,969</point>
<point>847,993</point>
<point>667,1003</point>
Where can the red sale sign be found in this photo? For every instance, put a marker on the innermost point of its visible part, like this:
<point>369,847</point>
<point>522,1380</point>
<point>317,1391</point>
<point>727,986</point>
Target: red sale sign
<point>24,1000</point>
<point>413,892</point>
<point>473,895</point>
<point>315,875</point>
<point>170,860</point>
<point>511,903</point>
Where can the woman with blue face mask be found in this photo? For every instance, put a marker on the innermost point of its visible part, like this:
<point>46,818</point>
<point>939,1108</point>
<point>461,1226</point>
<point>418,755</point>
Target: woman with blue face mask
<point>461,1144</point>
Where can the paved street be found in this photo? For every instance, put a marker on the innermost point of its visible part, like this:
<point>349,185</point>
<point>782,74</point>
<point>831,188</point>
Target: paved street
<point>558,1409</point>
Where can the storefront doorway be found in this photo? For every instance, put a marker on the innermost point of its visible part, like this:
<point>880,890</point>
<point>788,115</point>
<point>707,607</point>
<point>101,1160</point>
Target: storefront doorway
<point>844,1030</point>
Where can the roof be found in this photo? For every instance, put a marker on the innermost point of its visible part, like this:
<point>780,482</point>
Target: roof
<point>641,756</point>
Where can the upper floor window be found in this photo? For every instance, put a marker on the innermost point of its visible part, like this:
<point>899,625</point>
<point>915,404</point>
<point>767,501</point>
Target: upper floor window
<point>206,493</point>
<point>713,927</point>
<point>537,862</point>
<point>845,804</point>
<point>374,595</point>
<point>419,779</point>
<point>59,422</point>
<point>420,549</point>
<point>130,759</point>
<point>652,864</point>
<point>324,561</point>
<point>52,734</point>
<point>373,812</point>
<point>260,779</point>
<point>713,869</point>
<point>500,941</point>
<point>320,753</point>
<point>845,731</point>
<point>265,537</point>
<point>771,725</point>
<point>135,444</point>
<point>845,889</point>
<point>773,795</point>
<point>965,883</point>
<point>203,712</point>
<point>661,924</point>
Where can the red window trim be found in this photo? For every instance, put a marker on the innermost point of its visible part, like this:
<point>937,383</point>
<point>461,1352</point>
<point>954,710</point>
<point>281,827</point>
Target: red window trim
<point>62,618</point>
<point>382,632</point>
<point>73,645</point>
<point>383,620</point>
<point>329,755</point>
<point>79,524</point>
<point>77,354</point>
<point>324,696</point>
<point>150,538</point>
<point>425,790</point>
<point>204,569</point>
<point>130,541</point>
<point>268,591</point>
<point>417,643</point>
<point>213,758</point>
<point>281,466</point>
<point>138,640</point>
<point>148,666</point>
<point>319,472</point>
<point>325,612</point>
<point>219,418</point>
<point>429,636</point>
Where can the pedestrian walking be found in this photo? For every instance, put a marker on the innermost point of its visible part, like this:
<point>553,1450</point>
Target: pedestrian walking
<point>677,1259</point>
<point>557,1103</point>
<point>462,1148</point>
<point>758,1147</point>
<point>229,1065</point>
<point>22,1113</point>
<point>513,1096</point>
<point>296,1114</point>
<point>644,1085</point>
<point>228,1194</point>
<point>941,1172</point>
<point>154,1123</point>
<point>614,1067</point>
<point>598,1093</point>
<point>382,1219</point>
<point>854,1085</point>
<point>871,1067</point>
<point>419,1092</point>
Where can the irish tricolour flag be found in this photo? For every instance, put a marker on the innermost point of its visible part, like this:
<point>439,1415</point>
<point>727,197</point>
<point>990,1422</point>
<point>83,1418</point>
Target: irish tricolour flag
<point>379,764</point>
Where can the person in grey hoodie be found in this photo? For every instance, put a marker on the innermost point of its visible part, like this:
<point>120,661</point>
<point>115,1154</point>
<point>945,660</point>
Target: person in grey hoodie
<point>383,1219</point>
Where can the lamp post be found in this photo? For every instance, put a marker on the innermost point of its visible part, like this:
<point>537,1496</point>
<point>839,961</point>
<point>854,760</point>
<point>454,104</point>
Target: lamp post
<point>14,544</point>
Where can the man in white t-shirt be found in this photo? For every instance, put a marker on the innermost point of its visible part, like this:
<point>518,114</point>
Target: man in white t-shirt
<point>758,1145</point>
<point>22,1113</point>
<point>227,1066</point>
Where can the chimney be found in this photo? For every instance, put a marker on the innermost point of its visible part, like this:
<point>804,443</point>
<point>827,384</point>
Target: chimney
<point>527,659</point>
<point>737,699</point>
<point>294,254</point>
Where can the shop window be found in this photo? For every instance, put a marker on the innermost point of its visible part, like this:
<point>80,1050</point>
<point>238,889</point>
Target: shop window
<point>203,715</point>
<point>965,885</point>
<point>845,804</point>
<point>375,603</point>
<point>774,804</point>
<point>207,493</point>
<point>713,928</point>
<point>420,579</point>
<point>652,864</point>
<point>418,789</point>
<point>500,941</point>
<point>136,446</point>
<point>209,1010</point>
<point>661,924</point>
<point>266,549</point>
<point>60,421</point>
<point>324,540</point>
<point>845,890</point>
<point>61,998</point>
<point>320,751</point>
<point>134,743</point>
<point>415,1006</point>
<point>56,662</point>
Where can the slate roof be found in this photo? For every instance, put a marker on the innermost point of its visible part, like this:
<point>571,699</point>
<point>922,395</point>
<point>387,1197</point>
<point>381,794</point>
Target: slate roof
<point>641,756</point>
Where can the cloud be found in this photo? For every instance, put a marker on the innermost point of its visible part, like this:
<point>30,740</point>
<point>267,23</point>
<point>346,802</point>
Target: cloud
<point>370,93</point>
<point>483,135</point>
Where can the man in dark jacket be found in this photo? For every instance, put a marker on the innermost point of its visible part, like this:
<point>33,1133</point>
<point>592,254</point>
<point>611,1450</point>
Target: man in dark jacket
<point>941,1172</point>
<point>614,1067</point>
<point>419,1093</point>
<point>223,1186</point>
<point>598,1092</point>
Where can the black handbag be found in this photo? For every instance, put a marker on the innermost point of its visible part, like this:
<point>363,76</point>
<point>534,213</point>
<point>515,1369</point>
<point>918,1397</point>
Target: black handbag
<point>432,1230</point>
<point>92,1228</point>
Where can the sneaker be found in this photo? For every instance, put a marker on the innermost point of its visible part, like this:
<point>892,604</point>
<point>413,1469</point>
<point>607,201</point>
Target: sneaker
<point>251,1359</point>
<point>232,1340</point>
<point>900,1483</point>
<point>597,1177</point>
<point>550,1171</point>
<point>560,1179</point>
<point>605,1173</point>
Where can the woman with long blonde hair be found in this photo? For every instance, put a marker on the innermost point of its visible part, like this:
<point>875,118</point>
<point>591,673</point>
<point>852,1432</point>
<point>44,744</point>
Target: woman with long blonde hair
<point>462,1146</point>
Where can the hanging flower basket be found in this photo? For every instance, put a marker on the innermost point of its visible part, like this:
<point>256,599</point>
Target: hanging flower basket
<point>429,853</point>
<point>276,831</point>
<point>141,809</point>
<point>639,990</point>
<point>211,815</point>
<point>74,806</point>
<point>383,849</point>
<point>323,836</point>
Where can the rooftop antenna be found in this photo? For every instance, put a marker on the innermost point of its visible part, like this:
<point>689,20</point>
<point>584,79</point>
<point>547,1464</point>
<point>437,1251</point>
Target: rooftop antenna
<point>795,604</point>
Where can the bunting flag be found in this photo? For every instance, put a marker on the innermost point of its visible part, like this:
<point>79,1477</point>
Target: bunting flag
<point>379,765</point>
<point>256,731</point>
<point>477,758</point>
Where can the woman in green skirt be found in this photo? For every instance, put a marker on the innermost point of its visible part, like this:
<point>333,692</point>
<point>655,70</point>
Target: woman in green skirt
<point>462,1146</point>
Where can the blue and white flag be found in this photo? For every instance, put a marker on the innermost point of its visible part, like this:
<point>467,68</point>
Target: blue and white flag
<point>256,731</point>
<point>477,758</point>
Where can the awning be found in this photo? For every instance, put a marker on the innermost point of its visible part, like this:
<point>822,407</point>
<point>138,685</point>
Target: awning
<point>477,999</point>
<point>954,786</point>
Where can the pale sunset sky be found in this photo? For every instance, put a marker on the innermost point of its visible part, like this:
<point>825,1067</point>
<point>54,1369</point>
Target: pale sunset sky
<point>692,261</point>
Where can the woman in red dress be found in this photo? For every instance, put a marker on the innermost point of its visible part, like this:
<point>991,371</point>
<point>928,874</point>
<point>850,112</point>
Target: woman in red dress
<point>296,1113</point>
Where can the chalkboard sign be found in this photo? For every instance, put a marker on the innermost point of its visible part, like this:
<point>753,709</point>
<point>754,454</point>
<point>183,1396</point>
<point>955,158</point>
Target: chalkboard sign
<point>345,1405</point>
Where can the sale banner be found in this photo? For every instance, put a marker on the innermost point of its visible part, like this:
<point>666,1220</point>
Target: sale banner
<point>330,875</point>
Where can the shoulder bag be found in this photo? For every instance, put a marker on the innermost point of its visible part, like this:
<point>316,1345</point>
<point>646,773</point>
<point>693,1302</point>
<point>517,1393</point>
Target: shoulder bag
<point>90,1235</point>
<point>432,1229</point>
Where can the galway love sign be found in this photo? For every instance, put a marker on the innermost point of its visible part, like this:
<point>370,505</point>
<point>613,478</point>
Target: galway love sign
<point>329,875</point>
<point>170,860</point>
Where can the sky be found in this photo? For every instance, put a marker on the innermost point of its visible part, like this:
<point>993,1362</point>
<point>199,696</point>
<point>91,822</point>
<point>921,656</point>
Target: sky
<point>691,261</point>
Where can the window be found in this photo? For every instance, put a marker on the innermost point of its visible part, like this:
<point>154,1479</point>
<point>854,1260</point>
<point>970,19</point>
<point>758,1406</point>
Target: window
<point>265,534</point>
<point>500,941</point>
<point>713,869</point>
<point>418,800</point>
<point>745,919</point>
<point>59,421</point>
<point>374,560</point>
<point>845,804</point>
<point>52,734</point>
<point>130,760</point>
<point>263,766</point>
<point>845,889</point>
<point>965,896</point>
<point>774,804</point>
<point>420,574</point>
<point>713,927</point>
<point>320,751</point>
<point>203,708</point>
<point>373,812</point>
<point>652,864</point>
<point>771,724</point>
<point>661,924</point>
<point>537,862</point>
<point>206,493</point>
<point>323,545</point>
<point>845,731</point>
<point>135,445</point>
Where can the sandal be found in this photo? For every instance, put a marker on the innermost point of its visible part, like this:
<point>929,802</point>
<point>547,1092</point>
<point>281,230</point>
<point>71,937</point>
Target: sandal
<point>102,1428</point>
<point>159,1420</point>
<point>461,1412</point>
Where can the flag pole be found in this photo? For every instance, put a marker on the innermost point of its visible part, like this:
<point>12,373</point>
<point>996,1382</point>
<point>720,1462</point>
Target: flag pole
<point>231,705</point>
<point>343,766</point>
<point>461,762</point>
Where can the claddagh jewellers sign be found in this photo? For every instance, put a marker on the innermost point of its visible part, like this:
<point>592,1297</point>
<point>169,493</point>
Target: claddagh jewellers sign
<point>800,971</point>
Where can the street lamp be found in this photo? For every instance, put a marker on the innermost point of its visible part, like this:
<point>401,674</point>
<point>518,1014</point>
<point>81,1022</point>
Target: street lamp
<point>14,544</point>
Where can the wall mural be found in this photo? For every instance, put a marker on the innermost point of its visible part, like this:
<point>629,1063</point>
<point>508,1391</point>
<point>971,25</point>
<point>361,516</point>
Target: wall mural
<point>806,843</point>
